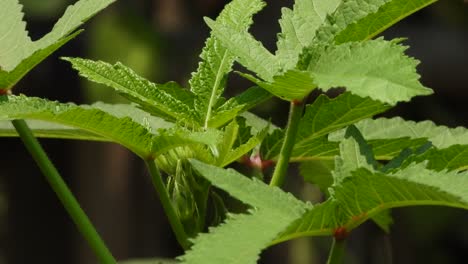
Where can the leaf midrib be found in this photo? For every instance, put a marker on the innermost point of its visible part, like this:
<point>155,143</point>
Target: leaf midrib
<point>215,87</point>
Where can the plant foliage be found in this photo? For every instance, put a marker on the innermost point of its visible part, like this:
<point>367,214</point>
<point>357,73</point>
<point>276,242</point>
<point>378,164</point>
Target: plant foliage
<point>363,165</point>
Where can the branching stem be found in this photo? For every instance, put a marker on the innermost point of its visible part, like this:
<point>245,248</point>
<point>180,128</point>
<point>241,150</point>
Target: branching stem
<point>64,194</point>
<point>161,189</point>
<point>295,114</point>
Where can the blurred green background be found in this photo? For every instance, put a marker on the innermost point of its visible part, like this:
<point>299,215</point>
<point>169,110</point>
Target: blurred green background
<point>161,40</point>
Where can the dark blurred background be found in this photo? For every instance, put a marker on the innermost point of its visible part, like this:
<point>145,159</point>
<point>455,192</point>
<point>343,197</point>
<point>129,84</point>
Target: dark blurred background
<point>161,40</point>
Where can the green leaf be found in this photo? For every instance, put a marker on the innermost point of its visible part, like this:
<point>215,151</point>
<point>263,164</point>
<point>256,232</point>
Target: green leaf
<point>169,99</point>
<point>384,128</point>
<point>209,81</point>
<point>237,105</point>
<point>366,194</point>
<point>273,210</point>
<point>387,15</point>
<point>18,54</point>
<point>9,79</point>
<point>50,130</point>
<point>452,158</point>
<point>291,85</point>
<point>124,130</point>
<point>323,149</point>
<point>244,148</point>
<point>348,13</point>
<point>324,116</point>
<point>249,52</point>
<point>298,27</point>
<point>355,153</point>
<point>378,69</point>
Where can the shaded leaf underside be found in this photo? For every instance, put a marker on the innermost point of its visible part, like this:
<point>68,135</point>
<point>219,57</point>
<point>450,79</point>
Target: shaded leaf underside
<point>365,194</point>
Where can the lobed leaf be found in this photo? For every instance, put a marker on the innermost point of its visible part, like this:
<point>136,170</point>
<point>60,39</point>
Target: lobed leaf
<point>373,24</point>
<point>378,69</point>
<point>169,99</point>
<point>393,128</point>
<point>237,105</point>
<point>298,28</point>
<point>249,52</point>
<point>18,54</point>
<point>366,194</point>
<point>123,130</point>
<point>209,81</point>
<point>45,129</point>
<point>452,158</point>
<point>348,13</point>
<point>323,116</point>
<point>273,210</point>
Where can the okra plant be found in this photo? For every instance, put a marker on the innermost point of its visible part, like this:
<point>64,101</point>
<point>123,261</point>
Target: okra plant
<point>188,136</point>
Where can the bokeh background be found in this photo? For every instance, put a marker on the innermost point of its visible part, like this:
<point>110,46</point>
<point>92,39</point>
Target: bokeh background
<point>161,40</point>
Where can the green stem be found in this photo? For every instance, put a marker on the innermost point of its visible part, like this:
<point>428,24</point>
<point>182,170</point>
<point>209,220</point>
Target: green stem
<point>64,194</point>
<point>337,252</point>
<point>161,189</point>
<point>295,114</point>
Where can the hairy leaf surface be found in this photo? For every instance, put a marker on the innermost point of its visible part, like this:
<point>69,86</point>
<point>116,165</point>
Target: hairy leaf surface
<point>378,69</point>
<point>209,81</point>
<point>170,99</point>
<point>122,130</point>
<point>387,15</point>
<point>250,52</point>
<point>298,27</point>
<point>53,130</point>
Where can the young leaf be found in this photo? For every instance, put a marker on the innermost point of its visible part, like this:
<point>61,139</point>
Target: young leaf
<point>18,54</point>
<point>291,85</point>
<point>388,128</point>
<point>169,99</point>
<point>366,194</point>
<point>273,211</point>
<point>209,81</point>
<point>298,27</point>
<point>378,69</point>
<point>244,148</point>
<point>347,13</point>
<point>355,20</point>
<point>237,105</point>
<point>250,52</point>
